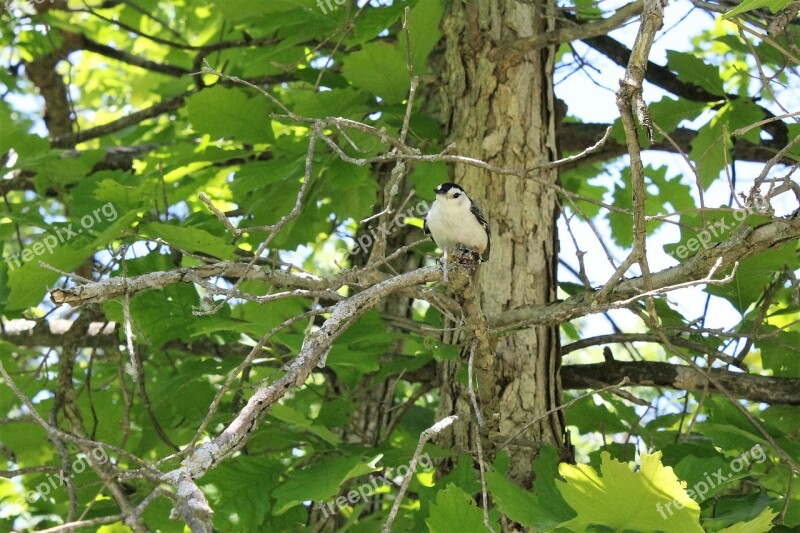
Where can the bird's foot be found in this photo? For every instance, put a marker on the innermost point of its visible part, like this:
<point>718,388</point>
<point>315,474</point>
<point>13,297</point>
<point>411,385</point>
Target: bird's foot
<point>466,257</point>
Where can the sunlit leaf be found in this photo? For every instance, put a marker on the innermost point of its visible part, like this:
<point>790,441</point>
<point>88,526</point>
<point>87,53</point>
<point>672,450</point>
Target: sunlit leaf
<point>652,499</point>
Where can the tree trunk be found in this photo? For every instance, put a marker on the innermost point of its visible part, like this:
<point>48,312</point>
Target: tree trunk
<point>499,107</point>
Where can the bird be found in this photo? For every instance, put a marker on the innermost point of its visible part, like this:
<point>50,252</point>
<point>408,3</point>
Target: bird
<point>454,219</point>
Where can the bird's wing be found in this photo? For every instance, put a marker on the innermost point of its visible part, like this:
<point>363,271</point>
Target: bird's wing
<point>426,229</point>
<point>482,220</point>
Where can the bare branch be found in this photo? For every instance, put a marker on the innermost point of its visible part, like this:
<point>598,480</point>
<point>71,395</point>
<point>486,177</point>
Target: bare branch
<point>767,389</point>
<point>616,338</point>
<point>122,517</point>
<point>343,315</point>
<point>741,245</point>
<point>131,59</point>
<point>574,32</point>
<point>68,140</point>
<point>426,435</point>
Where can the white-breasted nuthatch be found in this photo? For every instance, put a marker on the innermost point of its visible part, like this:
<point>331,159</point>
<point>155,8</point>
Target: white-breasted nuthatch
<point>454,219</point>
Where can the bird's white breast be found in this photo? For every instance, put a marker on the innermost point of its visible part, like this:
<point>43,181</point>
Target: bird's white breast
<point>452,223</point>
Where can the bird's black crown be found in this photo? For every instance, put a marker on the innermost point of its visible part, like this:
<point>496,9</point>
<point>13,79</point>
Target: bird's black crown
<point>444,188</point>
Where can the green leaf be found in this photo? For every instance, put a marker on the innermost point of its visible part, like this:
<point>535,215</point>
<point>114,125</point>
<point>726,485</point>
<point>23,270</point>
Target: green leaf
<point>359,349</point>
<point>318,482</point>
<point>424,21</point>
<point>358,181</point>
<point>123,190</point>
<point>754,275</point>
<point>622,224</point>
<point>231,113</point>
<point>287,414</point>
<point>710,145</point>
<point>668,113</point>
<point>760,524</point>
<point>335,413</point>
<point>29,281</point>
<point>545,469</point>
<point>544,509</point>
<point>518,504</point>
<point>374,21</point>
<point>347,102</point>
<point>703,231</point>
<point>224,485</point>
<point>61,173</point>
<point>242,9</point>
<point>588,418</point>
<point>381,69</point>
<point>643,501</point>
<point>728,427</point>
<point>463,475</point>
<point>778,353</point>
<point>157,316</point>
<point>14,132</point>
<point>190,239</point>
<point>267,190</point>
<point>695,472</point>
<point>170,389</point>
<point>588,10</point>
<point>454,510</point>
<point>296,21</point>
<point>691,69</point>
<point>740,509</point>
<point>4,289</point>
<point>750,5</point>
<point>577,180</point>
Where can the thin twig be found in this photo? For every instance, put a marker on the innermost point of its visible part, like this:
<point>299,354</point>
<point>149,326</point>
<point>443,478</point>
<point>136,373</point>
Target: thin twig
<point>426,435</point>
<point>274,228</point>
<point>741,131</point>
<point>131,366</point>
<point>122,517</point>
<point>567,405</point>
<point>787,498</point>
<point>54,431</point>
<point>484,491</point>
<point>471,381</point>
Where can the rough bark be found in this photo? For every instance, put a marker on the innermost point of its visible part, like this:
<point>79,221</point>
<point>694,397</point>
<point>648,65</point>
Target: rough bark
<point>500,108</point>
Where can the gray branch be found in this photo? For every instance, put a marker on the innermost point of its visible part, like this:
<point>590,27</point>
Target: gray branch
<point>766,389</point>
<point>745,242</point>
<point>344,314</point>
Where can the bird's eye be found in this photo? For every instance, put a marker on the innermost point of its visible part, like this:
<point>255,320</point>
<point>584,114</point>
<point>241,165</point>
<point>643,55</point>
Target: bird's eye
<point>457,195</point>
